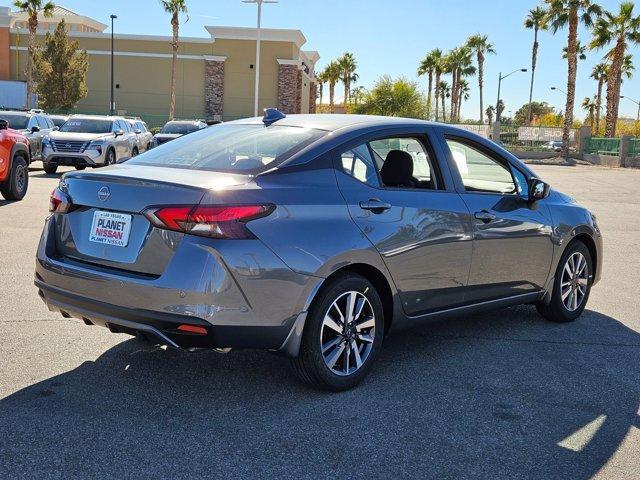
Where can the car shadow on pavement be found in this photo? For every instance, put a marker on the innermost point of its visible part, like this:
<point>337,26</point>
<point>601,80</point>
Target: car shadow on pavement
<point>499,395</point>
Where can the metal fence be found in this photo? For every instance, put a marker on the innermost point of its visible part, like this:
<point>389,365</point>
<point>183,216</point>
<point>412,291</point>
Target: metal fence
<point>634,147</point>
<point>605,146</point>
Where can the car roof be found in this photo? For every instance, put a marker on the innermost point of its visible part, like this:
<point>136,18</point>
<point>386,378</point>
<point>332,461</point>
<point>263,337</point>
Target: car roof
<point>18,112</point>
<point>97,117</point>
<point>184,121</point>
<point>331,122</point>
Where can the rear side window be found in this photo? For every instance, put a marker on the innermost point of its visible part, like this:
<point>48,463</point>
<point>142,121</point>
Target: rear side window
<point>479,171</point>
<point>249,149</point>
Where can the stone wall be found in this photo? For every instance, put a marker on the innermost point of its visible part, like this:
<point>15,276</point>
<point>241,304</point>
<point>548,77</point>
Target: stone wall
<point>213,89</point>
<point>312,97</point>
<point>289,89</point>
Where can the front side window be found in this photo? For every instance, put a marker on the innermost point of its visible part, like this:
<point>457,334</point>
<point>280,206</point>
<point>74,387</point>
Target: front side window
<point>480,172</point>
<point>405,163</point>
<point>359,164</point>
<point>86,125</point>
<point>235,148</point>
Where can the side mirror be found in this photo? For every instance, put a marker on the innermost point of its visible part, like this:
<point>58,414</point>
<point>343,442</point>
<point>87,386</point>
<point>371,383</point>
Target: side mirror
<point>55,129</point>
<point>137,131</point>
<point>35,129</point>
<point>3,124</point>
<point>538,189</point>
<point>118,132</point>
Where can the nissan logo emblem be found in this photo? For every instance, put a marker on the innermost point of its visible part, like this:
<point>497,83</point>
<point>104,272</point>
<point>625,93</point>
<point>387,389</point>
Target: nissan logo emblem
<point>104,193</point>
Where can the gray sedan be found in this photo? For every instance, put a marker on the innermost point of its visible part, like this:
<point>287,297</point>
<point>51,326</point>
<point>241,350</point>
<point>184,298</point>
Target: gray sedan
<point>313,236</point>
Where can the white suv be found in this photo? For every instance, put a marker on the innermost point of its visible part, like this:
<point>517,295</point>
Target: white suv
<point>89,141</point>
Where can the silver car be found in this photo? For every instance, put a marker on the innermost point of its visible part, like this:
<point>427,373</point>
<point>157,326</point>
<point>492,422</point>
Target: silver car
<point>312,236</point>
<point>89,141</point>
<point>144,137</point>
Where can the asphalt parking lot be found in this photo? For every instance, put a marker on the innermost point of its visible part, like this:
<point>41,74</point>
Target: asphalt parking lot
<point>499,395</point>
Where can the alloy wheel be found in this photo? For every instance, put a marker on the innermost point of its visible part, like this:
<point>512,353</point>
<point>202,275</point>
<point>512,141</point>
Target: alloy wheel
<point>347,333</point>
<point>574,282</point>
<point>21,180</point>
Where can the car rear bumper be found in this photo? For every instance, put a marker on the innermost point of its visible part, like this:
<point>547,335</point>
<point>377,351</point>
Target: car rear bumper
<point>244,299</point>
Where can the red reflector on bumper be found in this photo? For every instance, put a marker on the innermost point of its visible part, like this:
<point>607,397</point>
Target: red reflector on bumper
<point>193,329</point>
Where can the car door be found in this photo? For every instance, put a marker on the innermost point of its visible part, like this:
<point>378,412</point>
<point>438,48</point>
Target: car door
<point>512,237</point>
<point>422,233</point>
<point>35,141</point>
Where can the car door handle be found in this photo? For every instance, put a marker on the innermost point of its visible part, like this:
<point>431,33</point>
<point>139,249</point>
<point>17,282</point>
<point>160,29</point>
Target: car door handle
<point>375,205</point>
<point>485,216</point>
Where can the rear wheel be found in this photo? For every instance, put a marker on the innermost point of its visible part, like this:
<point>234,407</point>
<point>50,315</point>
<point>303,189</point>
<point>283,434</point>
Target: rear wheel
<point>571,286</point>
<point>16,184</point>
<point>342,335</point>
<point>50,168</point>
<point>134,152</point>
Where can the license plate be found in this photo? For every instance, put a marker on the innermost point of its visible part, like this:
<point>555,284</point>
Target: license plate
<point>110,228</point>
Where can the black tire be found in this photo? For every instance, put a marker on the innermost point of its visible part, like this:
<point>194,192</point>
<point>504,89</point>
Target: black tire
<point>310,364</point>
<point>49,168</point>
<point>556,310</point>
<point>80,167</point>
<point>134,152</point>
<point>16,184</point>
<point>110,158</point>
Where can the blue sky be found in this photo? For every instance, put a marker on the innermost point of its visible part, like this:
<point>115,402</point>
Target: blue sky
<point>392,36</point>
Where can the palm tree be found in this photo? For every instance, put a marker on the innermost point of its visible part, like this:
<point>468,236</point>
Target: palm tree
<point>627,67</point>
<point>321,78</point>
<point>427,67</point>
<point>33,8</point>
<point>347,64</point>
<point>481,46</point>
<point>444,90</point>
<point>581,51</point>
<point>459,64</point>
<point>490,111</point>
<point>358,94</point>
<point>463,94</point>
<point>438,69</point>
<point>599,74</point>
<point>571,13</point>
<point>621,29</point>
<point>333,73</point>
<point>175,8</point>
<point>536,20</point>
<point>589,104</point>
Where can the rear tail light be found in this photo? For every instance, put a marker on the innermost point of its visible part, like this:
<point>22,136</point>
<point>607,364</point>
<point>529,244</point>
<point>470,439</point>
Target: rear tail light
<point>59,202</point>
<point>215,221</point>
<point>192,329</point>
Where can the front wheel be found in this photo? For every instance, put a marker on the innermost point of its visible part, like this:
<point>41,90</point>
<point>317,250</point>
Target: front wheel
<point>110,158</point>
<point>16,184</point>
<point>571,286</point>
<point>50,168</point>
<point>342,335</point>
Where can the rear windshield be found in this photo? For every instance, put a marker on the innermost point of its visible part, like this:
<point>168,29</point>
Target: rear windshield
<point>235,148</point>
<point>17,122</point>
<point>181,128</point>
<point>86,125</point>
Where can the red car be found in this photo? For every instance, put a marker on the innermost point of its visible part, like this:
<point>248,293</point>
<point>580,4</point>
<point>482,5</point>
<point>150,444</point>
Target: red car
<point>14,162</point>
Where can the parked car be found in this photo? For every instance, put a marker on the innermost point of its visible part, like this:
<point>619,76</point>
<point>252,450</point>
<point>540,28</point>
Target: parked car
<point>143,136</point>
<point>89,141</point>
<point>175,129</point>
<point>555,145</point>
<point>33,124</point>
<point>58,120</point>
<point>14,162</point>
<point>312,236</point>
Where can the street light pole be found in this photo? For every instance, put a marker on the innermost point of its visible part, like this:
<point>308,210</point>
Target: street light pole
<point>500,78</point>
<point>637,103</point>
<point>257,82</point>
<point>112,105</point>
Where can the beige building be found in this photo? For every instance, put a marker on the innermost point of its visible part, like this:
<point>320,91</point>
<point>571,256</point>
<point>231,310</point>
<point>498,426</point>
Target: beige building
<point>215,74</point>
